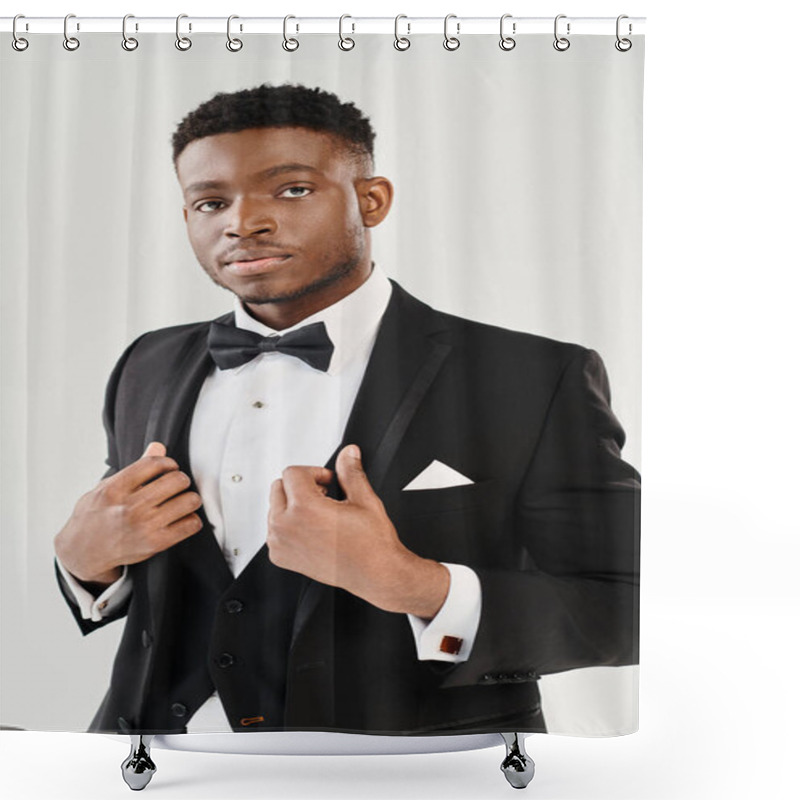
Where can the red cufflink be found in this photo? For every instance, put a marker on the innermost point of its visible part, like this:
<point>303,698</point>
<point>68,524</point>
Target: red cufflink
<point>451,645</point>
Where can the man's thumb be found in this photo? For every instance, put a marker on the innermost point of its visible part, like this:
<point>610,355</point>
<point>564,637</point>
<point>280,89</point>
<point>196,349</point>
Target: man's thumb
<point>350,473</point>
<point>155,449</point>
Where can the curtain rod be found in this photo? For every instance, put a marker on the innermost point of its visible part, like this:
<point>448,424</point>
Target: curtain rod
<point>308,25</point>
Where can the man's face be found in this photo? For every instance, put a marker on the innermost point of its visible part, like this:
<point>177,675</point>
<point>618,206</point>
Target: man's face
<point>279,216</point>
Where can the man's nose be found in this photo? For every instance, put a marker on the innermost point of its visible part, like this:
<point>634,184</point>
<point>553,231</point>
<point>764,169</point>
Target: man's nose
<point>248,217</point>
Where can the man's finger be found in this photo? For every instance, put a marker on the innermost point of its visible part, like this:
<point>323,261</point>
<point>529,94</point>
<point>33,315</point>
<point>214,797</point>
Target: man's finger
<point>352,478</point>
<point>142,471</point>
<point>155,449</point>
<point>277,497</point>
<point>162,488</point>
<point>303,483</point>
<point>178,507</point>
<point>182,529</point>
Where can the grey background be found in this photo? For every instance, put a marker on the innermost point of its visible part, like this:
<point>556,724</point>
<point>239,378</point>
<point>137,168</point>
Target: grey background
<point>518,179</point>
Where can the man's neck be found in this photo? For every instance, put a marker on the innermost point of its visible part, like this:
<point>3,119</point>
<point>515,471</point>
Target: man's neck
<point>282,315</point>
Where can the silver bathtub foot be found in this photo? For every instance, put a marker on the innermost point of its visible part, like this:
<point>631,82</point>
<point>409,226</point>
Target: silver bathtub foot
<point>517,766</point>
<point>138,768</point>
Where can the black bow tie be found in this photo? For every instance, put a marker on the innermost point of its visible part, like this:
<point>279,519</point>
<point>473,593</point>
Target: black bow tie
<point>231,347</point>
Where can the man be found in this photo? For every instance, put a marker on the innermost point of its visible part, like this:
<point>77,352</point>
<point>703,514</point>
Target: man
<point>473,526</point>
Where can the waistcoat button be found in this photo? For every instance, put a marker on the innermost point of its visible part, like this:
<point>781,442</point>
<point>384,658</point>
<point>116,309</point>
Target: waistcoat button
<point>225,660</point>
<point>233,606</point>
<point>178,710</point>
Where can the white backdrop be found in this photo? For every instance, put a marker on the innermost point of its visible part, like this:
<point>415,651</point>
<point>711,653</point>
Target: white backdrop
<point>719,701</point>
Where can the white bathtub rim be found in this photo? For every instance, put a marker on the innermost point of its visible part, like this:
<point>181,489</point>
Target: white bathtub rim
<point>319,743</point>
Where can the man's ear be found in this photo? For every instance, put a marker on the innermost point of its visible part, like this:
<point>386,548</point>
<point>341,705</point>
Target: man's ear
<point>375,199</point>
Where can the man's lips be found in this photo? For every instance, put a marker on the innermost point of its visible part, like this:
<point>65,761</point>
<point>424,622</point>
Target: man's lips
<point>256,266</point>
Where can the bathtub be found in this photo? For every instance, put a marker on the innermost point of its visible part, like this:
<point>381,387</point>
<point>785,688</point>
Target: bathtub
<point>138,768</point>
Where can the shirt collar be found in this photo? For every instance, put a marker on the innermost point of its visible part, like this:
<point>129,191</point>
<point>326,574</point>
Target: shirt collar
<point>349,322</point>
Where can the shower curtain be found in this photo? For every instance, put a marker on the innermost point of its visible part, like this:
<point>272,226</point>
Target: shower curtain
<point>505,284</point>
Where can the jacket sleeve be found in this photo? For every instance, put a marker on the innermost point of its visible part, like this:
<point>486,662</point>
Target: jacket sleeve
<point>574,601</point>
<point>112,464</point>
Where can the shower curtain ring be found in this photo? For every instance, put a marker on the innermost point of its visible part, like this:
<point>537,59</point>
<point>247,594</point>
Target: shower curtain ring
<point>561,43</point>
<point>346,42</point>
<point>234,45</point>
<point>128,42</point>
<point>70,42</point>
<point>507,42</point>
<point>401,42</point>
<point>289,44</point>
<point>623,45</point>
<point>18,43</point>
<point>182,42</point>
<point>451,42</point>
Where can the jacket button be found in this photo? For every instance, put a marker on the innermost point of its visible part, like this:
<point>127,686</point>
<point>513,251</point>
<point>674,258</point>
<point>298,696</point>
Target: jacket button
<point>147,639</point>
<point>225,660</point>
<point>487,678</point>
<point>178,710</point>
<point>531,675</point>
<point>234,606</point>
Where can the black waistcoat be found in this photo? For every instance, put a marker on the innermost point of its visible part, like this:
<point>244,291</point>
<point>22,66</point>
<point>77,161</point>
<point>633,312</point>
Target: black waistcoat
<point>236,642</point>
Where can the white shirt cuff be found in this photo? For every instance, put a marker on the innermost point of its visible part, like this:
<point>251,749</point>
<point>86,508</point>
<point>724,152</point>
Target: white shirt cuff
<point>449,636</point>
<point>96,608</point>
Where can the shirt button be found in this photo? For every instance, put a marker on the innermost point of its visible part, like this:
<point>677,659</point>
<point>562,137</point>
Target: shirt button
<point>236,478</point>
<point>258,404</point>
<point>102,606</point>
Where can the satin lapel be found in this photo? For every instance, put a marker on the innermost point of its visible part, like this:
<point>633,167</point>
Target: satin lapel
<point>175,402</point>
<point>169,422</point>
<point>404,362</point>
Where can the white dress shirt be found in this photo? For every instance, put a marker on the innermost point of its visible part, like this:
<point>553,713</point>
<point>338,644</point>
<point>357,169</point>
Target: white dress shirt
<point>252,421</point>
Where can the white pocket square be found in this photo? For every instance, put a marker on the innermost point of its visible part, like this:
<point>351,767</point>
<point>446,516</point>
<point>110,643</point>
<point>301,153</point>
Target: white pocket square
<point>437,476</point>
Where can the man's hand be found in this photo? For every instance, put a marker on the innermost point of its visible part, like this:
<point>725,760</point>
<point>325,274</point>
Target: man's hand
<point>351,543</point>
<point>128,517</point>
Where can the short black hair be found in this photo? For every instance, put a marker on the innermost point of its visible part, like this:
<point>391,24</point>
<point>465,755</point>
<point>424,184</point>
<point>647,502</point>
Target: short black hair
<point>283,106</point>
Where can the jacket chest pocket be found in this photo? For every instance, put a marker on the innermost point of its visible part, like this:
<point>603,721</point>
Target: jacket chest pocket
<point>459,524</point>
<point>451,498</point>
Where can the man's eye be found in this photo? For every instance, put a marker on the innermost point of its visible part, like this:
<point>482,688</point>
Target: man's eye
<point>208,203</point>
<point>295,191</point>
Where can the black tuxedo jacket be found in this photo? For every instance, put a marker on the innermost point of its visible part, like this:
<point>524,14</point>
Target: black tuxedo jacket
<point>550,525</point>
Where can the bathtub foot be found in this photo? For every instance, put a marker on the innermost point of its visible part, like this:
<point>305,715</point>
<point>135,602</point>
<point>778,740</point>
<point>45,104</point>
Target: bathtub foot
<point>517,766</point>
<point>138,768</point>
